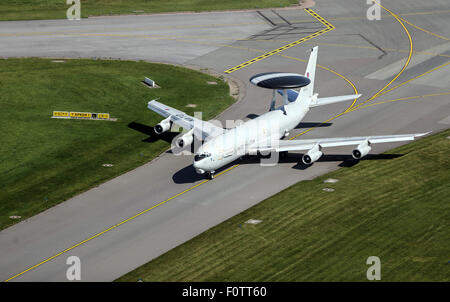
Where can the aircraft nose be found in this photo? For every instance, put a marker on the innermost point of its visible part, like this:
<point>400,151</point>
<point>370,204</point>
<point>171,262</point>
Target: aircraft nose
<point>199,167</point>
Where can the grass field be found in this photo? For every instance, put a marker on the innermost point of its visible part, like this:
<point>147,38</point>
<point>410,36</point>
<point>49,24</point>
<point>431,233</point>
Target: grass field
<point>56,9</point>
<point>396,209</point>
<point>45,161</point>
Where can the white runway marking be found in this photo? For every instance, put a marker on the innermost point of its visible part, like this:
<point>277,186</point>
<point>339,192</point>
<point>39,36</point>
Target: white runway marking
<point>445,121</point>
<point>391,69</point>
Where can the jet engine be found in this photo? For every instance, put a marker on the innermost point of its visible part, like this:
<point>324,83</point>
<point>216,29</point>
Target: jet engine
<point>312,155</point>
<point>186,139</point>
<point>362,150</point>
<point>163,126</point>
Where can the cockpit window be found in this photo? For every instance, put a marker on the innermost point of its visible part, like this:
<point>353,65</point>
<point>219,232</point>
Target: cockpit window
<point>201,156</point>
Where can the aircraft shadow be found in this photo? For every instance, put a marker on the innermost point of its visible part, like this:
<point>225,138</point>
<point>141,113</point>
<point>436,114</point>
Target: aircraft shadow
<point>252,116</point>
<point>346,160</point>
<point>299,126</point>
<point>153,137</point>
<point>188,174</point>
<point>312,125</point>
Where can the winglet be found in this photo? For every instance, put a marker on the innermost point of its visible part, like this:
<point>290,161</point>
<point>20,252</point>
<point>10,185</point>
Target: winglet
<point>153,100</point>
<point>422,134</point>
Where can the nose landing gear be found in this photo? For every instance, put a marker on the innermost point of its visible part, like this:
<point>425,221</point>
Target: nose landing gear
<point>283,154</point>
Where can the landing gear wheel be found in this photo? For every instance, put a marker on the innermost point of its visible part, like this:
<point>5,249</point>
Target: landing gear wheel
<point>260,155</point>
<point>211,174</point>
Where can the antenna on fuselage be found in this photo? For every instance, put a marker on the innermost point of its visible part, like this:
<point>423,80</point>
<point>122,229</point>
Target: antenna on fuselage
<point>279,81</point>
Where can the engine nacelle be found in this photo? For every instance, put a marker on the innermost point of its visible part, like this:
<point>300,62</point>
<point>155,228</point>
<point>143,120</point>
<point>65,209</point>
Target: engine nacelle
<point>163,126</point>
<point>312,155</point>
<point>185,140</point>
<point>362,150</point>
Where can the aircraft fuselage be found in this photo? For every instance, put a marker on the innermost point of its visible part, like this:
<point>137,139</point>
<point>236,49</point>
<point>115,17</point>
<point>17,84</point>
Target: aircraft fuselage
<point>234,143</point>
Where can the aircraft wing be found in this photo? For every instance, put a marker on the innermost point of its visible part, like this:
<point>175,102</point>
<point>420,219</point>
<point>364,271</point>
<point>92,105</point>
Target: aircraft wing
<point>306,144</point>
<point>202,129</point>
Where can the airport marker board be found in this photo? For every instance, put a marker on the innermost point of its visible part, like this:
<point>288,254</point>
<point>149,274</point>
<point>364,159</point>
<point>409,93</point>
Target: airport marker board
<point>82,115</point>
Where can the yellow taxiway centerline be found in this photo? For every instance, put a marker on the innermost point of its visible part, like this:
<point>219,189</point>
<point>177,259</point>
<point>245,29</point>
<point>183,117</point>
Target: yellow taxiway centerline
<point>424,30</point>
<point>200,26</point>
<point>403,99</point>
<point>404,66</point>
<point>328,27</point>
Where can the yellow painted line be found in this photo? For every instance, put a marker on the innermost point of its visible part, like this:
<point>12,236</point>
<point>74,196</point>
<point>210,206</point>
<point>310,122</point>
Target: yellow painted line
<point>111,228</point>
<point>424,30</point>
<point>374,48</point>
<point>225,171</point>
<point>326,121</point>
<point>215,37</point>
<point>403,99</point>
<point>157,37</point>
<point>383,91</point>
<point>416,77</point>
<point>437,12</point>
<point>379,93</point>
<point>320,18</point>
<point>200,26</point>
<point>183,39</point>
<point>116,225</point>
<point>433,12</point>
<point>328,27</point>
<point>350,109</point>
<point>407,60</point>
<point>204,37</point>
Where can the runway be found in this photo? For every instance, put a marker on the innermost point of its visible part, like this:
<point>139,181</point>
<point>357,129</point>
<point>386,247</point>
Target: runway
<point>137,216</point>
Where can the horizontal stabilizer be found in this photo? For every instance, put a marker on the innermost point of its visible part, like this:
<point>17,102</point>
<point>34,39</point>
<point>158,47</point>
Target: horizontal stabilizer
<point>333,99</point>
<point>292,96</point>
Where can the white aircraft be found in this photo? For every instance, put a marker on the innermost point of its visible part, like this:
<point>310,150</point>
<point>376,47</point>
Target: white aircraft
<point>265,133</point>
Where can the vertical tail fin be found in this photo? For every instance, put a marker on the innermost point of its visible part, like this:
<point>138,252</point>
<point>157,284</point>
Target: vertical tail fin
<point>307,92</point>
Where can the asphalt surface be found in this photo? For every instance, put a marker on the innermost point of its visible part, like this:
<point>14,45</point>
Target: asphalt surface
<point>356,49</point>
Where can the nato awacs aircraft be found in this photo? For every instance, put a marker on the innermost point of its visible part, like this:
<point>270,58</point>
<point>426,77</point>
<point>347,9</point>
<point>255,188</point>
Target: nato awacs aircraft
<point>265,133</point>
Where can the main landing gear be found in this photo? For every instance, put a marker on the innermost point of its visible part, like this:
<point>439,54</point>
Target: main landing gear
<point>210,174</point>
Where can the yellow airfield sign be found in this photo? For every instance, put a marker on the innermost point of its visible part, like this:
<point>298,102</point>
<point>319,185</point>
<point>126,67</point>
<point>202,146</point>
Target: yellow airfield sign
<point>61,113</point>
<point>82,115</point>
<point>103,115</point>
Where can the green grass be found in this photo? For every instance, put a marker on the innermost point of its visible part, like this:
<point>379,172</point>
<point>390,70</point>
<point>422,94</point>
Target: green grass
<point>44,161</point>
<point>56,9</point>
<point>396,209</point>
